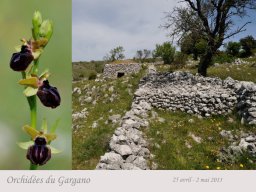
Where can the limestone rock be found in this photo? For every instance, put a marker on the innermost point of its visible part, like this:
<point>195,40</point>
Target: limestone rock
<point>123,149</point>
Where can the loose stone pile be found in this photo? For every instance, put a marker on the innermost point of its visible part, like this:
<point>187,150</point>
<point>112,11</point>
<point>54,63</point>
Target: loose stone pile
<point>79,115</point>
<point>127,148</point>
<point>240,62</point>
<point>199,95</point>
<point>246,95</point>
<point>237,61</point>
<point>244,143</point>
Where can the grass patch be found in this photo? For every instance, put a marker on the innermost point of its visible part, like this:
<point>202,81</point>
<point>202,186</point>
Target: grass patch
<point>90,143</point>
<point>243,72</point>
<point>168,142</point>
<point>83,70</point>
<point>125,61</point>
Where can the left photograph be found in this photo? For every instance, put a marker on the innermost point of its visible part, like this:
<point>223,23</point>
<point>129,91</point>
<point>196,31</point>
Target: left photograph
<point>35,78</point>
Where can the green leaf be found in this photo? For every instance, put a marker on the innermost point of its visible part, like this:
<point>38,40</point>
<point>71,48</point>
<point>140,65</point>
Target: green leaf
<point>25,145</point>
<point>30,91</point>
<point>54,126</point>
<point>54,150</point>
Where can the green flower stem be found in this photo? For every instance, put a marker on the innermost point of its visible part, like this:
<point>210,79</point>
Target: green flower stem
<point>33,118</point>
<point>33,167</point>
<point>34,70</point>
<point>32,105</point>
<point>32,99</point>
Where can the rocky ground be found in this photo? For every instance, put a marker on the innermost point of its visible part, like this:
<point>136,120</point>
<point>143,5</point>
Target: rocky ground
<point>240,143</point>
<point>131,145</point>
<point>98,106</point>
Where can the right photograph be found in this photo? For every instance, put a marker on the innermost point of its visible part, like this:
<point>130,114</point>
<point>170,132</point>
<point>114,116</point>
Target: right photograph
<point>164,85</point>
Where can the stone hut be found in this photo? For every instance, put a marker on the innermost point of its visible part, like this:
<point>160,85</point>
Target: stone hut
<point>119,70</point>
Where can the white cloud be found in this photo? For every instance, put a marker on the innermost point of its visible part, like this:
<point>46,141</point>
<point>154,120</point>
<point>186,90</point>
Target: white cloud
<point>101,25</point>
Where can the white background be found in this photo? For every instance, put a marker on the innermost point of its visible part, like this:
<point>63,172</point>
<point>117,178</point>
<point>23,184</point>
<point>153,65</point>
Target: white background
<point>135,181</point>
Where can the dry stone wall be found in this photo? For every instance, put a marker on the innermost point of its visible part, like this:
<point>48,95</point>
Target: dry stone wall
<point>113,70</point>
<point>183,91</point>
<point>199,95</point>
<point>127,148</point>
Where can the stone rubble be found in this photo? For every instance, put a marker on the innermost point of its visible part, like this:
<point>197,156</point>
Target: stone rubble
<point>239,61</point>
<point>244,143</point>
<point>77,90</point>
<point>115,118</point>
<point>79,115</point>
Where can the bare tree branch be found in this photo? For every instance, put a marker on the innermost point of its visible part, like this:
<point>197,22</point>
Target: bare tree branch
<point>211,20</point>
<point>239,30</point>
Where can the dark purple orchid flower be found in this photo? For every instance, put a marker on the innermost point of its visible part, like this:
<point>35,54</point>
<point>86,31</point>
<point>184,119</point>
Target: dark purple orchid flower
<point>21,60</point>
<point>48,95</point>
<point>39,153</point>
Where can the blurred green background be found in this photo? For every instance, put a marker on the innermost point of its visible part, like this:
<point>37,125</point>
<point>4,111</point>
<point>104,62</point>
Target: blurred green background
<point>16,23</point>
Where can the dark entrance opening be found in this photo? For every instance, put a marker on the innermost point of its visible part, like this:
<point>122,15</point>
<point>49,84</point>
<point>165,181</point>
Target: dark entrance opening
<point>120,74</point>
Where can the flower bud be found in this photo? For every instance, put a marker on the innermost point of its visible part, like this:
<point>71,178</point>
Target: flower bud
<point>39,153</point>
<point>48,95</point>
<point>21,60</point>
<point>46,29</point>
<point>36,21</point>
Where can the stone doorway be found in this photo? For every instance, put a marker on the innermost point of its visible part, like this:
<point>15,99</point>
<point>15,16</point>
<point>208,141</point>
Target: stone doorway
<point>120,74</point>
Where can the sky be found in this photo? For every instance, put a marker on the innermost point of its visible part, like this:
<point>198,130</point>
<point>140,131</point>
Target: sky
<point>101,25</point>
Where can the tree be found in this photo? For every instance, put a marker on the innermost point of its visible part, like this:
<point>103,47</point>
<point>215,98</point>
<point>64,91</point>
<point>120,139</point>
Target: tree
<point>248,44</point>
<point>166,51</point>
<point>115,54</point>
<point>233,48</point>
<point>142,55</point>
<point>180,59</point>
<point>187,45</point>
<point>193,44</point>
<point>139,55</point>
<point>212,19</point>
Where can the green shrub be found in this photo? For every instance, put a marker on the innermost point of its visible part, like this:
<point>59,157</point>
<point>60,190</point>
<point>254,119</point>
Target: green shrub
<point>166,51</point>
<point>82,70</point>
<point>180,59</point>
<point>99,67</point>
<point>222,57</point>
<point>92,75</point>
<point>233,48</point>
<point>81,76</point>
<point>248,44</point>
